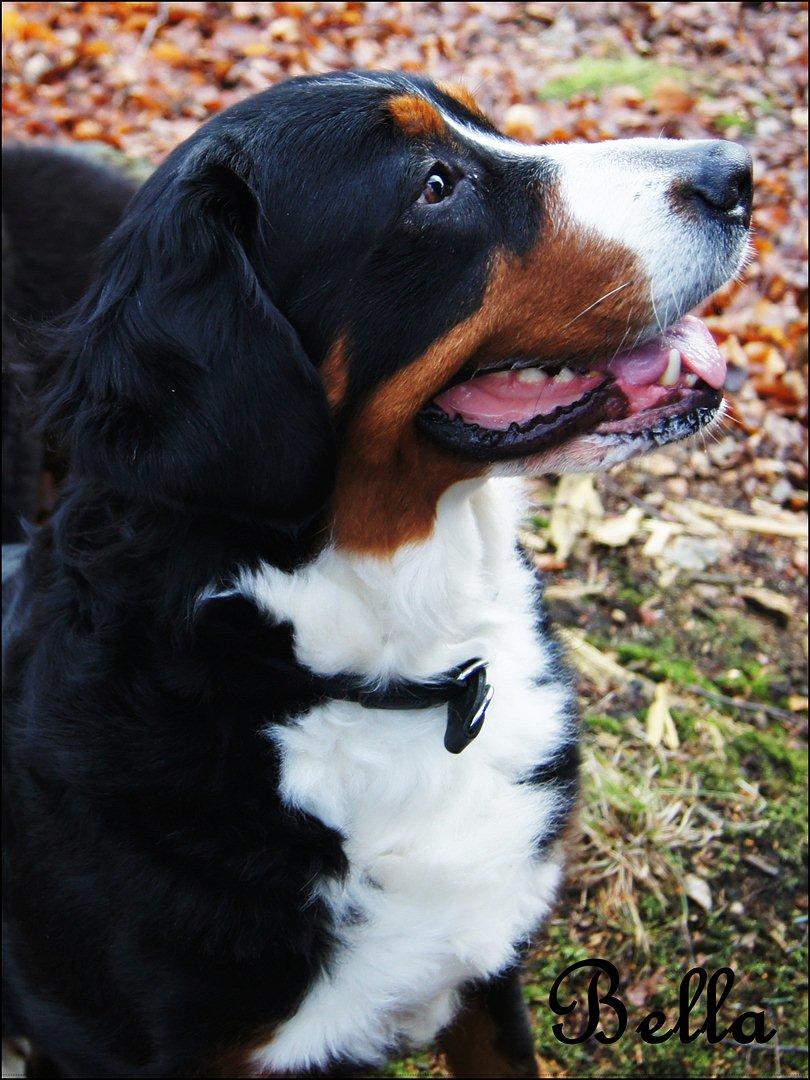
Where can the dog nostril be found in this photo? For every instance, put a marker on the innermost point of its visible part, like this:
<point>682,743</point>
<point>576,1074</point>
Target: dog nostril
<point>719,175</point>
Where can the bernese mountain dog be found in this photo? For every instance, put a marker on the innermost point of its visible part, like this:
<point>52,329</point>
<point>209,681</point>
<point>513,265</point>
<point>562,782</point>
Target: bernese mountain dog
<point>290,753</point>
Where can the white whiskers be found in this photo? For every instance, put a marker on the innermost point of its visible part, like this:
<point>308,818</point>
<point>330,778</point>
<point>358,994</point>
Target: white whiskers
<point>590,307</point>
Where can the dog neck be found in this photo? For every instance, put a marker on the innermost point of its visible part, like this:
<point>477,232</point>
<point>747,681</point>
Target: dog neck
<point>423,609</point>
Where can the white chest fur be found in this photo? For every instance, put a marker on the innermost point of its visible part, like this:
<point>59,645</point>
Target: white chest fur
<point>444,876</point>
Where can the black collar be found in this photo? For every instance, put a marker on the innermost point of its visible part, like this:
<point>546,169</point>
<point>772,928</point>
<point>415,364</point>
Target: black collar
<point>262,657</point>
<point>463,688</point>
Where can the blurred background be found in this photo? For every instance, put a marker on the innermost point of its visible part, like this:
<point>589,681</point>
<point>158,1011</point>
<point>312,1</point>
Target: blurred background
<point>679,581</point>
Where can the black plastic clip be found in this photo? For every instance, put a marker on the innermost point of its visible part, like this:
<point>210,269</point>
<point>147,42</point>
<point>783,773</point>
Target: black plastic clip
<point>467,709</point>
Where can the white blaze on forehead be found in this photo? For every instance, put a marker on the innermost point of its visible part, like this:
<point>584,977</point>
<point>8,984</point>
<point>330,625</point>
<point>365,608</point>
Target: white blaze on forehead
<point>619,191</point>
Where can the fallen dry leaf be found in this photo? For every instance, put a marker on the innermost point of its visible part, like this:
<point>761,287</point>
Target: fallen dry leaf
<point>697,889</point>
<point>660,725</point>
<point>661,533</point>
<point>573,590</point>
<point>695,553</point>
<point>576,502</point>
<point>595,665</point>
<point>616,531</point>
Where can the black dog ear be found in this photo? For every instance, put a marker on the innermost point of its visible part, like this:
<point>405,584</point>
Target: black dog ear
<point>181,382</point>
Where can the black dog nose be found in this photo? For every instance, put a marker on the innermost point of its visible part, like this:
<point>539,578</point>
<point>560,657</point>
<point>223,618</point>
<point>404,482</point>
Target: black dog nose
<point>718,174</point>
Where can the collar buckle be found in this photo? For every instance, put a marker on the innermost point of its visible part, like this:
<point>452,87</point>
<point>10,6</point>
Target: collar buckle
<point>467,707</point>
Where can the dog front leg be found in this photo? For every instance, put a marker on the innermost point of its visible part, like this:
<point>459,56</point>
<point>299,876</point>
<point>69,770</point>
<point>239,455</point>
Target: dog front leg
<point>491,1035</point>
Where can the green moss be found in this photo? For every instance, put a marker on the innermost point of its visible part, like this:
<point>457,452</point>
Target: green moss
<point>686,723</point>
<point>662,661</point>
<point>630,1056</point>
<point>600,722</point>
<point>558,951</point>
<point>594,75</point>
<point>539,522</point>
<point>630,595</point>
<point>772,754</point>
<point>412,1066</point>
<point>742,123</point>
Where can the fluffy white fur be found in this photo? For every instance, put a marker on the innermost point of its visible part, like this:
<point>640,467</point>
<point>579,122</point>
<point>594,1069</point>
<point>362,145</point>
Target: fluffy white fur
<point>444,877</point>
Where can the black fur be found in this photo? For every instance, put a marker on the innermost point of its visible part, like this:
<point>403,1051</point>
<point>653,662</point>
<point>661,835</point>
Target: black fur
<point>58,207</point>
<point>503,1000</point>
<point>156,915</point>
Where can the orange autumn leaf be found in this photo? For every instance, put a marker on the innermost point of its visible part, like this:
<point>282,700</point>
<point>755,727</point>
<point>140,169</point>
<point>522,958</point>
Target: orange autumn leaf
<point>256,48</point>
<point>166,51</point>
<point>87,129</point>
<point>12,21</point>
<point>95,48</point>
<point>34,31</point>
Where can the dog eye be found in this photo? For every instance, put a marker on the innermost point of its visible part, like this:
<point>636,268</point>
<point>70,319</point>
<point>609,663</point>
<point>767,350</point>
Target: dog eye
<point>438,186</point>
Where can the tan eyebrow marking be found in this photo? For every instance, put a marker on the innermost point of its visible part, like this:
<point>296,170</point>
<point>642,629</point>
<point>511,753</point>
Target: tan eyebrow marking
<point>463,96</point>
<point>416,116</point>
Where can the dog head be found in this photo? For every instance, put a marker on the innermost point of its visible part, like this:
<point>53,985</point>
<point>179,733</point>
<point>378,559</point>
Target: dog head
<point>351,292</point>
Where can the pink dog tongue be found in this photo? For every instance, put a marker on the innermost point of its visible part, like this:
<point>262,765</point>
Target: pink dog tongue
<point>693,340</point>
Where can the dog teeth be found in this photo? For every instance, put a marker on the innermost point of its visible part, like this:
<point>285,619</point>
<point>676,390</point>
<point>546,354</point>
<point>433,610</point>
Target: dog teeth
<point>565,376</point>
<point>531,375</point>
<point>672,372</point>
<point>690,379</point>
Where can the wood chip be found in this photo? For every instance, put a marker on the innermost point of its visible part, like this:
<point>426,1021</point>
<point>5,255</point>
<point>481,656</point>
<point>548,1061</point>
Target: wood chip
<point>756,523</point>
<point>573,590</point>
<point>661,532</point>
<point>696,523</point>
<point>531,541</point>
<point>658,465</point>
<point>771,601</point>
<point>766,867</point>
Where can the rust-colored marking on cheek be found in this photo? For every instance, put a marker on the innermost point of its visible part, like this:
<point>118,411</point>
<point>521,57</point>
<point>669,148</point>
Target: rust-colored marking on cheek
<point>463,96</point>
<point>571,295</point>
<point>416,116</point>
<point>391,476</point>
<point>552,303</point>
<point>335,375</point>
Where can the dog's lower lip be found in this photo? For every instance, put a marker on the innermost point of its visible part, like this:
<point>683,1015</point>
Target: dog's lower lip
<point>606,414</point>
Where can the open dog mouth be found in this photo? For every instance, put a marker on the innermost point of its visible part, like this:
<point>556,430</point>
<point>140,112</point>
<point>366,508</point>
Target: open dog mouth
<point>661,391</point>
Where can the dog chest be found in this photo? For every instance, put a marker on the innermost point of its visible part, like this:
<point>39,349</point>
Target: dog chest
<point>446,871</point>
